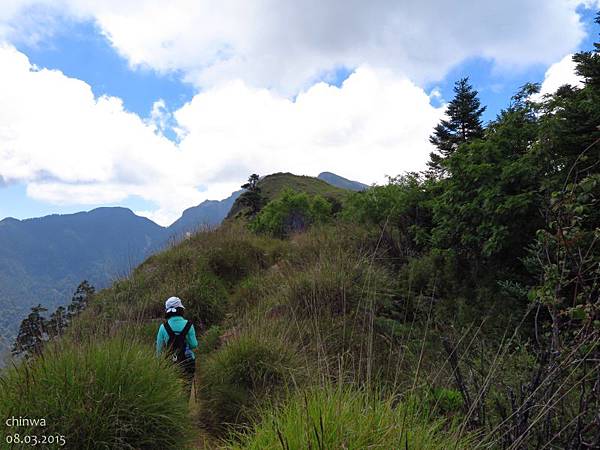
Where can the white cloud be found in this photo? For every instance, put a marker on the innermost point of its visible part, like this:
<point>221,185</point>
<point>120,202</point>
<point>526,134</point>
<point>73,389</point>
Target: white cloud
<point>70,147</point>
<point>248,58</point>
<point>73,148</point>
<point>375,123</point>
<point>287,44</point>
<point>558,74</point>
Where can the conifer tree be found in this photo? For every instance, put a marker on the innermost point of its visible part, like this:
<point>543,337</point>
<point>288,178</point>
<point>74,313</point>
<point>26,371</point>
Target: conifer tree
<point>588,63</point>
<point>59,320</point>
<point>80,298</point>
<point>463,124</point>
<point>35,329</point>
<point>32,333</point>
<point>252,198</point>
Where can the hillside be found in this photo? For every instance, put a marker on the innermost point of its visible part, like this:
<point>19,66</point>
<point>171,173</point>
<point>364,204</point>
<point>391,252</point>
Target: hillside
<point>43,260</point>
<point>454,308</point>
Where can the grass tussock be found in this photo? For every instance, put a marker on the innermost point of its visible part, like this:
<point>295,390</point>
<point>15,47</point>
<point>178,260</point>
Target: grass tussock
<point>240,376</point>
<point>112,394</point>
<point>344,417</point>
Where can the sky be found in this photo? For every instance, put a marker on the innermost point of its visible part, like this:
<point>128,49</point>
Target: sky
<point>158,106</point>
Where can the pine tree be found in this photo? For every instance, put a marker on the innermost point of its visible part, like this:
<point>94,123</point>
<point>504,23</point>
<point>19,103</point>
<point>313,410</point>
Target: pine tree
<point>588,63</point>
<point>252,198</point>
<point>80,298</point>
<point>35,329</point>
<point>32,334</point>
<point>464,124</point>
<point>59,320</point>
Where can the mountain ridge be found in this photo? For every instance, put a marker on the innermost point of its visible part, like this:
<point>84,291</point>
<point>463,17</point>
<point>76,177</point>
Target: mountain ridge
<point>43,259</point>
<point>341,182</point>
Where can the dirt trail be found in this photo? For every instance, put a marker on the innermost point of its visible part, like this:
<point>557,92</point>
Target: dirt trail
<point>202,441</point>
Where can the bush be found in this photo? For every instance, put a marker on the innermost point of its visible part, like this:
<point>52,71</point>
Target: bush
<point>401,210</point>
<point>239,376</point>
<point>292,212</point>
<point>113,394</point>
<point>335,418</point>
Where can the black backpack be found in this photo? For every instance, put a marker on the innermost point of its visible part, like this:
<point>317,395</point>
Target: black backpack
<point>176,344</point>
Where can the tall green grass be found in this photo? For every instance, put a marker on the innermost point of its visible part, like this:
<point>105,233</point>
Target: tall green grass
<point>242,374</point>
<point>325,306</point>
<point>347,418</point>
<point>106,395</point>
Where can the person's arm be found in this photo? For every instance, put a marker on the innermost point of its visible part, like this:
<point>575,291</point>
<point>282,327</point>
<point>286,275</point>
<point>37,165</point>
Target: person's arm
<point>191,338</point>
<point>160,339</point>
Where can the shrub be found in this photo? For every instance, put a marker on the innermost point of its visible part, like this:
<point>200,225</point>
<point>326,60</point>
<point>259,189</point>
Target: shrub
<point>434,274</point>
<point>239,376</point>
<point>335,418</point>
<point>113,394</point>
<point>401,209</point>
<point>292,212</point>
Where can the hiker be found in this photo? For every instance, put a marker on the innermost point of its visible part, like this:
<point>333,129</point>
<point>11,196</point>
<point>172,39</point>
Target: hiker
<point>179,337</point>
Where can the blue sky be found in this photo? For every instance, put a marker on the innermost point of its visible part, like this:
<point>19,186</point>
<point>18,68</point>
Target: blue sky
<point>113,62</point>
<point>79,50</point>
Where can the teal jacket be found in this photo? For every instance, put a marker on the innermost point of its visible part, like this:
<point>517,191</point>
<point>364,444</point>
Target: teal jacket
<point>176,323</point>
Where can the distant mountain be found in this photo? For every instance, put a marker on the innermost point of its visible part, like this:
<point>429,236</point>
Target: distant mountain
<point>209,213</point>
<point>341,182</point>
<point>43,260</point>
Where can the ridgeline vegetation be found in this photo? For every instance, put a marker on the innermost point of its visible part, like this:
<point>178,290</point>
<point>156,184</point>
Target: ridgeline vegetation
<point>455,308</point>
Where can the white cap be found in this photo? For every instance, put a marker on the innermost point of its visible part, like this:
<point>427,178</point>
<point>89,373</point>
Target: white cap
<point>172,303</point>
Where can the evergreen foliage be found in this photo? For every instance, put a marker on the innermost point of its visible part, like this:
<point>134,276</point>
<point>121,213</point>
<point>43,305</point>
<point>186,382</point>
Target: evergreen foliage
<point>588,63</point>
<point>252,195</point>
<point>36,330</point>
<point>59,320</point>
<point>463,124</point>
<point>32,333</point>
<point>80,299</point>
